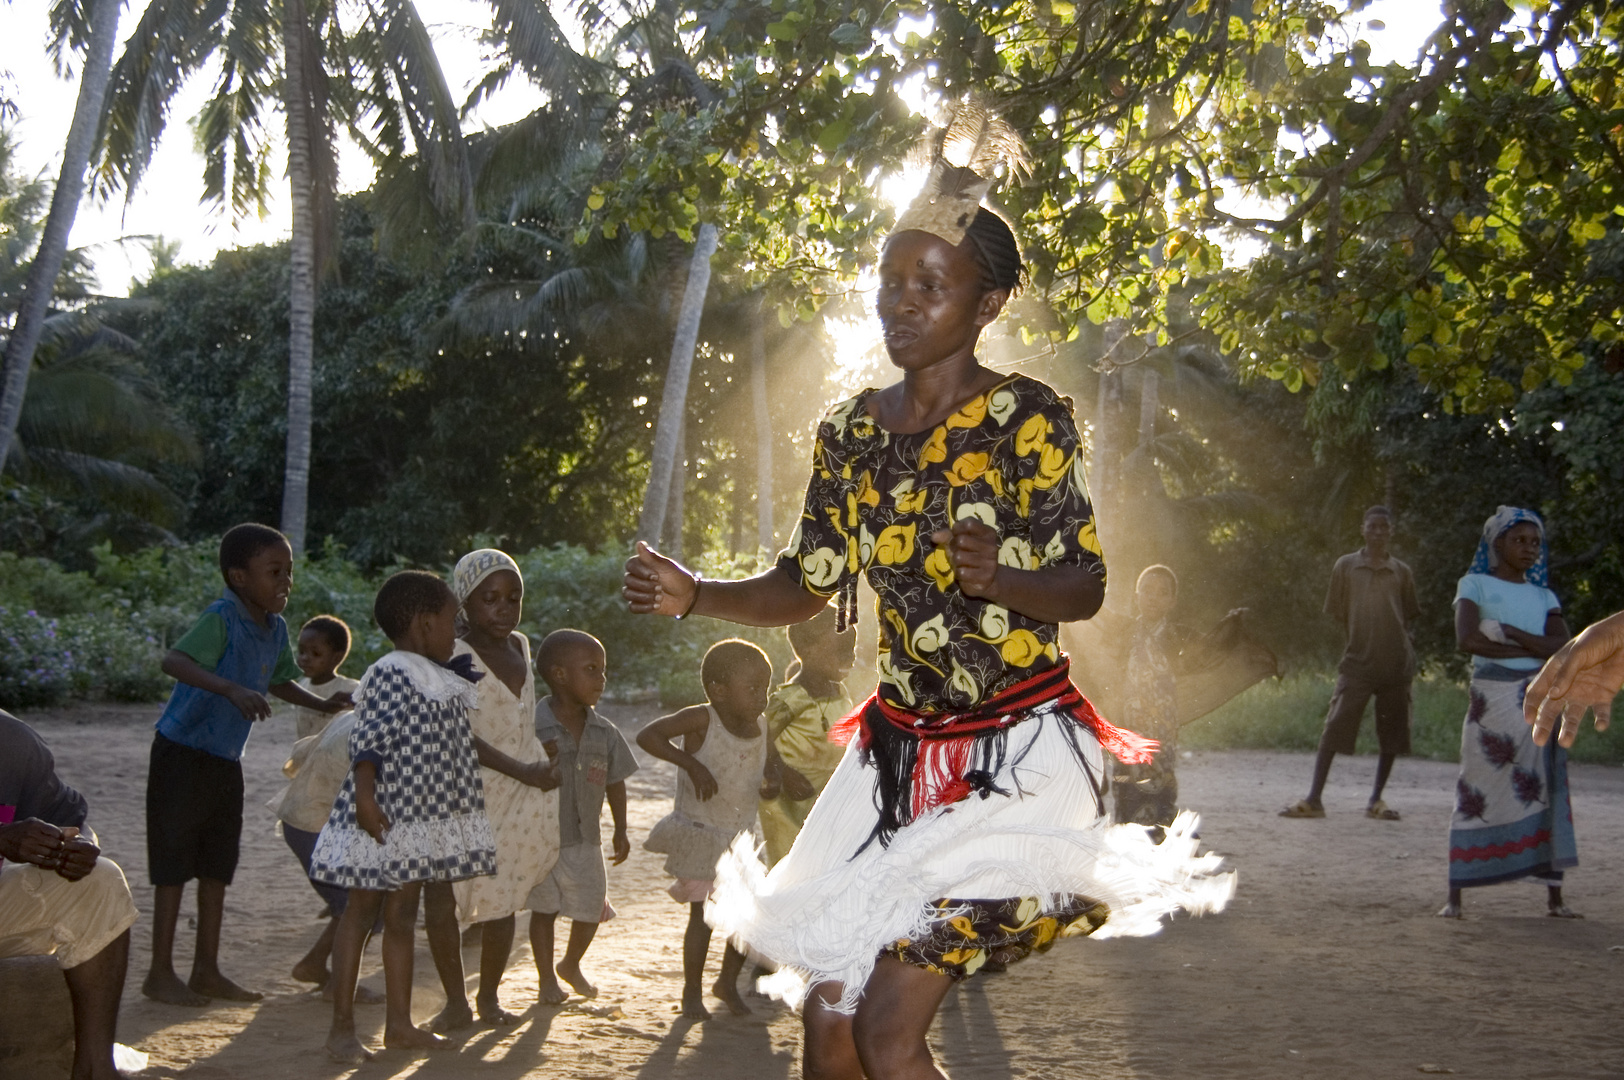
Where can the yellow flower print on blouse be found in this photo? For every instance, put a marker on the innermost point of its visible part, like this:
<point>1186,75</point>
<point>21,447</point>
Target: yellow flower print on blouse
<point>876,497</point>
<point>896,544</point>
<point>966,467</point>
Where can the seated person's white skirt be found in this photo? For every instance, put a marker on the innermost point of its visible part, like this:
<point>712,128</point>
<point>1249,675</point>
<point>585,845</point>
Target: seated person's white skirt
<point>826,911</point>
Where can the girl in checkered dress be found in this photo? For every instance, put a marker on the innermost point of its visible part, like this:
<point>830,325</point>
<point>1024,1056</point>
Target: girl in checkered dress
<point>410,818</point>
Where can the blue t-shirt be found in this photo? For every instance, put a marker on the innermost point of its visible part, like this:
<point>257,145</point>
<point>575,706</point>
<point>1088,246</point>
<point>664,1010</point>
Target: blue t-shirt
<point>1514,603</point>
<point>209,722</point>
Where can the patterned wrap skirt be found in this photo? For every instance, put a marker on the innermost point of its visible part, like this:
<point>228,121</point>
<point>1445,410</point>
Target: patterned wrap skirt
<point>1512,815</point>
<point>985,878</point>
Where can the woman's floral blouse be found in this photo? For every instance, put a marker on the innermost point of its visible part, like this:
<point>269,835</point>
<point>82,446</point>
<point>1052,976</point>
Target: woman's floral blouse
<point>1009,457</point>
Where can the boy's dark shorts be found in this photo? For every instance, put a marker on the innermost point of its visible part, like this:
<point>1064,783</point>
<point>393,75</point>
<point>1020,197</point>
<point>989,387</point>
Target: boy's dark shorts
<point>303,846</point>
<point>194,814</point>
<point>1347,710</point>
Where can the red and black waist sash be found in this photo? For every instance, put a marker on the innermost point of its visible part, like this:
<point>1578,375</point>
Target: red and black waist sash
<point>926,760</point>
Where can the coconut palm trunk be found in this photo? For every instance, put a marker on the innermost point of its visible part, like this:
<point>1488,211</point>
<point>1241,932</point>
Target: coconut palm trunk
<point>302,277</point>
<point>765,537</point>
<point>53,247</point>
<point>675,397</point>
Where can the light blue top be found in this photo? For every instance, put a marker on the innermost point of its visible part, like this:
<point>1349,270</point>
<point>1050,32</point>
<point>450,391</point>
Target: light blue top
<point>1513,603</point>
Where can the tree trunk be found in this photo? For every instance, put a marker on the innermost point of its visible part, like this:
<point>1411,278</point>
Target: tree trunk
<point>53,245</point>
<point>1149,405</point>
<point>673,402</point>
<point>765,536</point>
<point>671,536</point>
<point>302,277</point>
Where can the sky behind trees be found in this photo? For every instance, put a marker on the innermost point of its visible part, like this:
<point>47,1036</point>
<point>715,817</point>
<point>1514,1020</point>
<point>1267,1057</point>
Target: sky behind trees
<point>167,202</point>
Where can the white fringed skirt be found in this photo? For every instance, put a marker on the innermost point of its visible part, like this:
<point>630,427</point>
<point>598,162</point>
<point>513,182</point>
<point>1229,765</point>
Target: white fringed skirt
<point>827,911</point>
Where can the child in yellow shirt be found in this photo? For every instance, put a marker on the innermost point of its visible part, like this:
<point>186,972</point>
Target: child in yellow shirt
<point>799,716</point>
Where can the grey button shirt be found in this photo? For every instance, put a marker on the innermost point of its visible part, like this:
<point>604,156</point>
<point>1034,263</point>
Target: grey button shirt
<point>601,758</point>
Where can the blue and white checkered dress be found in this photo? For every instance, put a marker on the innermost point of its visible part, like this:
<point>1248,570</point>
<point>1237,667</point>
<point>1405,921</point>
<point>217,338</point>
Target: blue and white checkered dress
<point>412,722</point>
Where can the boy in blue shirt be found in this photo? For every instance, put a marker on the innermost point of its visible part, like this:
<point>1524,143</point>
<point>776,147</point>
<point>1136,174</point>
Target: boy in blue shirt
<point>223,666</point>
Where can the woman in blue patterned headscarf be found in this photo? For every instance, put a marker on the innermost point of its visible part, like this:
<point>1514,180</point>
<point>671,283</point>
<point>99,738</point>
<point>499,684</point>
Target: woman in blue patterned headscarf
<point>1512,817</point>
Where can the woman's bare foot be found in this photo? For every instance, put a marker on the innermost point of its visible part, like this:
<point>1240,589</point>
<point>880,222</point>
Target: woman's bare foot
<point>311,972</point>
<point>168,989</point>
<point>693,1005</point>
<point>454,1017</point>
<point>729,996</point>
<point>571,973</point>
<point>216,985</point>
<point>1450,910</point>
<point>491,1013</point>
<point>345,1049</point>
<point>1562,911</point>
<point>414,1038</point>
<point>550,993</point>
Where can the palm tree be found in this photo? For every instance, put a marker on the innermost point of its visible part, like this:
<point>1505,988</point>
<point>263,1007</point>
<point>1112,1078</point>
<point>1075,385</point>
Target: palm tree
<point>93,29</point>
<point>369,62</point>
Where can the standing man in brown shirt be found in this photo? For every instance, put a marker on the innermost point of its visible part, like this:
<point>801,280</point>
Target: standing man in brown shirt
<point>1373,597</point>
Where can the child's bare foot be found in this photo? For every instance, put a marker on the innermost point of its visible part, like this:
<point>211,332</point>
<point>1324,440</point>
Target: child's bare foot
<point>168,989</point>
<point>216,985</point>
<point>492,1013</point>
<point>345,1049</point>
<point>310,972</point>
<point>571,973</point>
<point>728,994</point>
<point>550,993</point>
<point>693,1005</point>
<point>454,1017</point>
<point>414,1038</point>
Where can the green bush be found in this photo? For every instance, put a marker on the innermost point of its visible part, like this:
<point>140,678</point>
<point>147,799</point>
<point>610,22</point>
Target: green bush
<point>1289,713</point>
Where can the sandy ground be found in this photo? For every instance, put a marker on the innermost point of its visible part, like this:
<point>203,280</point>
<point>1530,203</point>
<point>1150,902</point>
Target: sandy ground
<point>1328,964</point>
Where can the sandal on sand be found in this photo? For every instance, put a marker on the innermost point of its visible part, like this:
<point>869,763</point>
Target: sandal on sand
<point>1381,811</point>
<point>1303,809</point>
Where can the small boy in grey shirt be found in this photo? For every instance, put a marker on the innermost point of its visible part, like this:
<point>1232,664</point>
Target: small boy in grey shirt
<point>593,760</point>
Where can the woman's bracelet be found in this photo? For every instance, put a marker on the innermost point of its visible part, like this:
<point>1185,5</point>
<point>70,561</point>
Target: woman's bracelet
<point>692,601</point>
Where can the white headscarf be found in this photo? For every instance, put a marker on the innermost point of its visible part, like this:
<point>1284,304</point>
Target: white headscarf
<point>476,566</point>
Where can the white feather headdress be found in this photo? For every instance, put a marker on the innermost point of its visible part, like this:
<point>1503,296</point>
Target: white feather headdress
<point>964,158</point>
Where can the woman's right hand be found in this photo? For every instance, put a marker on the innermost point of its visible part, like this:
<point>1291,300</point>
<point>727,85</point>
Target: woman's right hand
<point>655,585</point>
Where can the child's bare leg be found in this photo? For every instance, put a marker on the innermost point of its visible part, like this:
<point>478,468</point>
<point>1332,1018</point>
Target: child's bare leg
<point>828,1050</point>
<point>312,967</point>
<point>353,927</point>
<point>569,968</point>
<point>206,977</point>
<point>541,945</point>
<point>1452,907</point>
<point>445,946</point>
<point>726,986</point>
<point>695,947</point>
<point>898,1005</point>
<point>162,984</point>
<point>496,945</point>
<point>399,934</point>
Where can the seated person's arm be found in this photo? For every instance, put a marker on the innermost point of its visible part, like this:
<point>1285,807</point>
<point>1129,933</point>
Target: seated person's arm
<point>44,845</point>
<point>182,668</point>
<point>616,794</point>
<point>1541,646</point>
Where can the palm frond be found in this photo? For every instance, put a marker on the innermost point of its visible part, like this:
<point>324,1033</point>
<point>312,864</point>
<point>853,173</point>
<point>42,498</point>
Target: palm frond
<point>113,484</point>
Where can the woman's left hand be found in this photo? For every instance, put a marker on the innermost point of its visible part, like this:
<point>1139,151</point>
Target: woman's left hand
<point>972,551</point>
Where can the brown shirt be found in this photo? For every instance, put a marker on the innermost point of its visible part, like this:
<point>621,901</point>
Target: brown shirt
<point>1375,604</point>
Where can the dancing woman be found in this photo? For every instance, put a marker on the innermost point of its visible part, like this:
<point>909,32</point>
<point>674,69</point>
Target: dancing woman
<point>965,824</point>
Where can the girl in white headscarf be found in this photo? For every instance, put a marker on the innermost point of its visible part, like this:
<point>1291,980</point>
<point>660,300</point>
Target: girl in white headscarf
<point>521,797</point>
